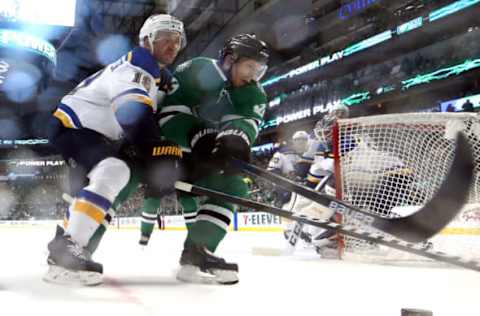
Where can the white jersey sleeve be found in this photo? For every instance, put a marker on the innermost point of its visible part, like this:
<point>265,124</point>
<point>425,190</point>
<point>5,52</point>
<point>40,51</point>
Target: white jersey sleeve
<point>321,168</point>
<point>93,102</point>
<point>281,163</point>
<point>311,150</point>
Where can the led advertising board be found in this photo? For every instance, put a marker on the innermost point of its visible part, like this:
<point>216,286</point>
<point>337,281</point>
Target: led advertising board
<point>49,12</point>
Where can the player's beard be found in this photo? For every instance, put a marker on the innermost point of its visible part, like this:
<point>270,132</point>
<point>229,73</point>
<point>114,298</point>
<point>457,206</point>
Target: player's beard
<point>167,58</point>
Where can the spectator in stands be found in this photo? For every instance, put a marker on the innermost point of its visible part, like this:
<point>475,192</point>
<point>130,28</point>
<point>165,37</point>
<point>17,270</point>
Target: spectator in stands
<point>450,108</point>
<point>467,106</point>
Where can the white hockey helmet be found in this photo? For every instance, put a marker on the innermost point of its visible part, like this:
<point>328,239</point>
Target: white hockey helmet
<point>300,141</point>
<point>300,135</point>
<point>162,22</point>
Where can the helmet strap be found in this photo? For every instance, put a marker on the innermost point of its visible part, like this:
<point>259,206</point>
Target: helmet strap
<point>227,64</point>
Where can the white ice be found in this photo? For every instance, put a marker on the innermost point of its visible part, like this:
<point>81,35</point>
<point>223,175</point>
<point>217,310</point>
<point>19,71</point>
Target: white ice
<point>142,282</point>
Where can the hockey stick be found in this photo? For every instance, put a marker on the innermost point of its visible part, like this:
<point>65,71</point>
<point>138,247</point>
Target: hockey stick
<point>346,230</point>
<point>423,224</point>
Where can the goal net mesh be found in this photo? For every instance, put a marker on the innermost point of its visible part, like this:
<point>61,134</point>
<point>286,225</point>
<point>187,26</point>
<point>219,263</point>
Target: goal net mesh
<point>391,165</point>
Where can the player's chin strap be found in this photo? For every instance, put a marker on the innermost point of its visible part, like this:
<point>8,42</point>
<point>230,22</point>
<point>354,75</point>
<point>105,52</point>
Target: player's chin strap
<point>428,221</point>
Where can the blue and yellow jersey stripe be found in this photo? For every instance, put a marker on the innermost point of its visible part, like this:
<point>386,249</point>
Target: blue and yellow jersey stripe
<point>142,58</point>
<point>67,116</point>
<point>313,179</point>
<point>89,209</point>
<point>133,95</point>
<point>92,205</point>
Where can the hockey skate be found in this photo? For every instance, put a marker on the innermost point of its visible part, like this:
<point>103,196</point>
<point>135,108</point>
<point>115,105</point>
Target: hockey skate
<point>326,244</point>
<point>70,264</point>
<point>198,265</point>
<point>144,239</point>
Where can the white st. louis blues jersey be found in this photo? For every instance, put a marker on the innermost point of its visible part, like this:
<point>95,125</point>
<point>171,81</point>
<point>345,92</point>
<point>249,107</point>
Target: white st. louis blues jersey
<point>283,162</point>
<point>92,104</point>
<point>312,150</point>
<point>321,166</point>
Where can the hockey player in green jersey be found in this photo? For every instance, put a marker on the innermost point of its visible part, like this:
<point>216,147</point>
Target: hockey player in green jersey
<point>214,114</point>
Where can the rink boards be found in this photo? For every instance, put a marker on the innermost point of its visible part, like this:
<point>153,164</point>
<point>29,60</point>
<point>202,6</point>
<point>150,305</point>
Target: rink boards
<point>466,224</point>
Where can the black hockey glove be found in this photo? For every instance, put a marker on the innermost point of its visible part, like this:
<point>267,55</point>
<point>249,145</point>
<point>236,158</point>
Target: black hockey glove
<point>202,142</point>
<point>231,143</point>
<point>167,82</point>
<point>161,167</point>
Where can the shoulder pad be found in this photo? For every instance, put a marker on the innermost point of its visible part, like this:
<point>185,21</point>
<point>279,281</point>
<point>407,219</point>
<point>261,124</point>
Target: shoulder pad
<point>141,58</point>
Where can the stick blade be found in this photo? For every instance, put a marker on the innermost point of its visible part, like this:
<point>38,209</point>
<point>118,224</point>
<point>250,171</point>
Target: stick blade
<point>444,206</point>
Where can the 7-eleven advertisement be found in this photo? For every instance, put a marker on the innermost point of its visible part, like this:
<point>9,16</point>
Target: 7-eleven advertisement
<point>257,221</point>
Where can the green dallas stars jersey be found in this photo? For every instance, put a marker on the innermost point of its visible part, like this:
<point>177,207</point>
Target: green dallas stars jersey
<point>203,98</point>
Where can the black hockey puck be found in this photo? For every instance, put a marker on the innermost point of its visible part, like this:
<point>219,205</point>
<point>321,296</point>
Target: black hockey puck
<point>415,312</point>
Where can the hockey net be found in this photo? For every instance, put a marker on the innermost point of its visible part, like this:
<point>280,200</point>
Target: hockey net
<point>391,165</point>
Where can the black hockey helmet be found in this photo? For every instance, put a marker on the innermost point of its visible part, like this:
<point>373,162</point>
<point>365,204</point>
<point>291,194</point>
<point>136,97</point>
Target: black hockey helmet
<point>245,45</point>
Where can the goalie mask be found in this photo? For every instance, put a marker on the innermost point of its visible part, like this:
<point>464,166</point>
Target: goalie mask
<point>339,111</point>
<point>323,130</point>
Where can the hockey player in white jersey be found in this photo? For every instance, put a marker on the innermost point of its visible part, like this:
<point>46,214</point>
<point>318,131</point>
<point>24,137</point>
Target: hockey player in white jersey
<point>110,110</point>
<point>285,162</point>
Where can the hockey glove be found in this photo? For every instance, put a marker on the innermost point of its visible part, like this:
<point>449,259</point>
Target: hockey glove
<point>161,167</point>
<point>167,83</point>
<point>231,143</point>
<point>202,142</point>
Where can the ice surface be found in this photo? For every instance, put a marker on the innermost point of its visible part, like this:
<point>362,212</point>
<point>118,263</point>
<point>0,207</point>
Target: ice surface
<point>142,282</point>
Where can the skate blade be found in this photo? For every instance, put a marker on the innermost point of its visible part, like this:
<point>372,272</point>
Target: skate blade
<point>62,276</point>
<point>226,277</point>
<point>328,253</point>
<point>193,274</point>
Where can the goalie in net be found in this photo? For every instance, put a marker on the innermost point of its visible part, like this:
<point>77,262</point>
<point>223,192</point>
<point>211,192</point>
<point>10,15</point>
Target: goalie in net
<point>379,181</point>
<point>320,177</point>
<point>398,163</point>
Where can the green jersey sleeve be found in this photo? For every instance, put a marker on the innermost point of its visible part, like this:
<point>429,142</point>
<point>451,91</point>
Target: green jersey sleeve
<point>197,78</point>
<point>249,104</point>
